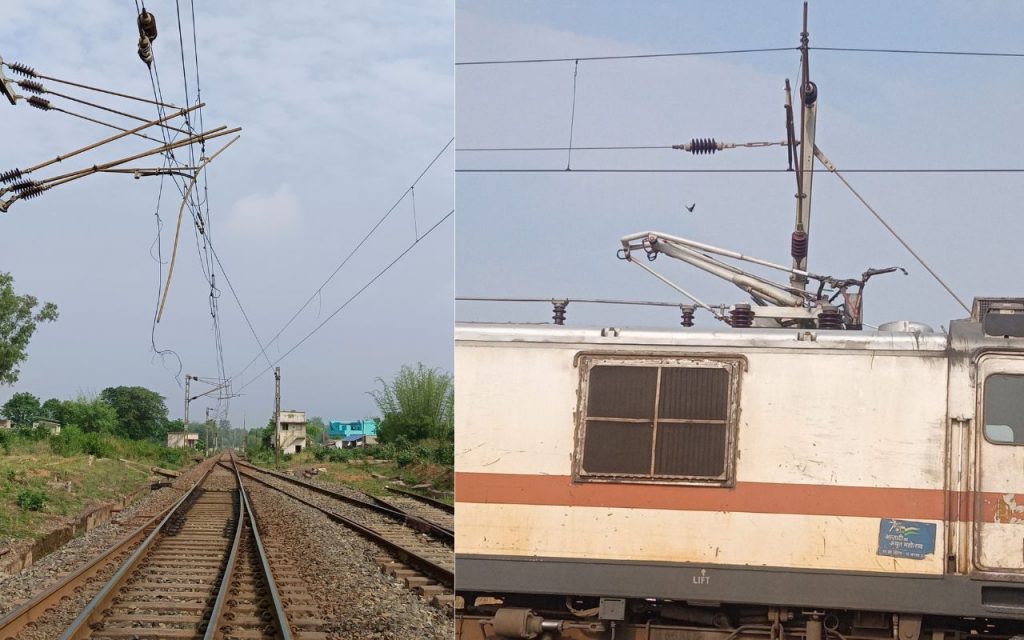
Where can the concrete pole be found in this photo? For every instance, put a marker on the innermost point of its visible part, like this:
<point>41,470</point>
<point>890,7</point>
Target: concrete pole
<point>277,418</point>
<point>207,448</point>
<point>184,429</point>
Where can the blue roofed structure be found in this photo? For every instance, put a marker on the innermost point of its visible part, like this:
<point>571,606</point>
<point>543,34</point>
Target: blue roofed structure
<point>337,430</point>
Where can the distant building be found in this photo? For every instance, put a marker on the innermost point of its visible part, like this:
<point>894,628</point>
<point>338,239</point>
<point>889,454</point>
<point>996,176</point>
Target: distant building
<point>340,430</point>
<point>349,442</point>
<point>292,436</point>
<point>6,424</point>
<point>50,425</point>
<point>178,439</point>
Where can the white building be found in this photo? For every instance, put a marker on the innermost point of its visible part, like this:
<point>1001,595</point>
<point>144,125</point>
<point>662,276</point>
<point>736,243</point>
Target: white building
<point>50,425</point>
<point>178,439</point>
<point>291,437</point>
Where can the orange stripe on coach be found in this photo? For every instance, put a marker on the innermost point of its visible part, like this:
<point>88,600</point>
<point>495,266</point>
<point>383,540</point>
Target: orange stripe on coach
<point>746,497</point>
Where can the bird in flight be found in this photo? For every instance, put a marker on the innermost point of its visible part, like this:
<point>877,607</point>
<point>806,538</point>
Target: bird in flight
<point>690,207</point>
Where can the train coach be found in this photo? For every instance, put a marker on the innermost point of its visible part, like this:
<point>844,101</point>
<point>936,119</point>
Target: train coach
<point>700,484</point>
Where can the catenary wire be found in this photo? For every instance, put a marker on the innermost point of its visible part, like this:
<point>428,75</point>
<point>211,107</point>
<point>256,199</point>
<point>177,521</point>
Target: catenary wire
<point>626,57</point>
<point>931,52</point>
<point>912,170</point>
<point>926,52</point>
<point>351,253</point>
<point>355,295</point>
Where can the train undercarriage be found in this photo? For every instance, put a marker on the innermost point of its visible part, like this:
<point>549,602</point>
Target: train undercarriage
<point>487,617</point>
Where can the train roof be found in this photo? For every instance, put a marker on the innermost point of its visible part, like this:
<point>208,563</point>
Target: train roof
<point>691,337</point>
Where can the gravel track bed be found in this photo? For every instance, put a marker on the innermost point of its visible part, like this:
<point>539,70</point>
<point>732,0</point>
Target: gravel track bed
<point>337,565</point>
<point>409,505</point>
<point>422,510</point>
<point>19,588</point>
<point>427,545</point>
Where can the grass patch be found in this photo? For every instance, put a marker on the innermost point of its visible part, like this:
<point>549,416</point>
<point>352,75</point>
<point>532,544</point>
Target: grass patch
<point>44,481</point>
<point>358,469</point>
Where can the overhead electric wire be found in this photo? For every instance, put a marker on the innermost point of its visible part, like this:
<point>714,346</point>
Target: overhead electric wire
<point>350,299</point>
<point>231,287</point>
<point>352,253</point>
<point>626,57</point>
<point>193,204</point>
<point>950,170</point>
<point>203,223</point>
<point>87,103</point>
<point>932,52</point>
<point>574,148</point>
<point>926,52</point>
<point>34,74</point>
<point>832,169</point>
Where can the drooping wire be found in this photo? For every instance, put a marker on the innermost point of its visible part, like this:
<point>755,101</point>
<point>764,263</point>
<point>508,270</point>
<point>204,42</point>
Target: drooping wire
<point>199,226</point>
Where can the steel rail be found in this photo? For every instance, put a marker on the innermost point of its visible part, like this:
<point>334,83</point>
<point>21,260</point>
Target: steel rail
<point>245,511</point>
<point>437,504</point>
<point>437,529</point>
<point>12,624</point>
<point>80,625</point>
<point>428,567</point>
<point>382,507</point>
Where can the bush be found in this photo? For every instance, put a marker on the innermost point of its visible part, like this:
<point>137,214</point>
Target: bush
<point>68,442</point>
<point>5,440</point>
<point>32,499</point>
<point>444,454</point>
<point>30,433</point>
<point>96,445</point>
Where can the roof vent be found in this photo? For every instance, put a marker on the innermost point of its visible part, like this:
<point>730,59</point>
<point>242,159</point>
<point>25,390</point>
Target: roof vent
<point>905,326</point>
<point>982,305</point>
<point>1004,319</point>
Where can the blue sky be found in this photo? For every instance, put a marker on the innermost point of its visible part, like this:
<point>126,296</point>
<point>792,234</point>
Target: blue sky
<point>342,105</point>
<point>555,235</point>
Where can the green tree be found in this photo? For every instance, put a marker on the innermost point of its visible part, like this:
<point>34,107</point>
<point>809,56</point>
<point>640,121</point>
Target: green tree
<point>22,408</point>
<point>18,320</point>
<point>51,410</point>
<point>315,428</point>
<point>416,405</point>
<point>91,415</point>
<point>141,413</point>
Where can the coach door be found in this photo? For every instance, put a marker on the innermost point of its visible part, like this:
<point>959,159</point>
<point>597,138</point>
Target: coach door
<point>999,485</point>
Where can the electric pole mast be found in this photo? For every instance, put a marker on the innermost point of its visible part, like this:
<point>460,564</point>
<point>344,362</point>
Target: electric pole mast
<point>277,418</point>
<point>805,162</point>
<point>207,431</point>
<point>184,429</point>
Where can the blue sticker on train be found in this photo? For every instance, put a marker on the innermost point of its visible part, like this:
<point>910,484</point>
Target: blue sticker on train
<point>906,538</point>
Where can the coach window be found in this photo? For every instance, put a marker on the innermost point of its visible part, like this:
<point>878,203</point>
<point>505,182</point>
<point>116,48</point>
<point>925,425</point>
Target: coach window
<point>658,420</point>
<point>1004,409</point>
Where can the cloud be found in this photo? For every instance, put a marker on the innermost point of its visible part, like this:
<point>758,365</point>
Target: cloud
<point>265,214</point>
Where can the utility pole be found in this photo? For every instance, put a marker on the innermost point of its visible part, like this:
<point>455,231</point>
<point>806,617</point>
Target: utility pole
<point>207,452</point>
<point>184,428</point>
<point>277,418</point>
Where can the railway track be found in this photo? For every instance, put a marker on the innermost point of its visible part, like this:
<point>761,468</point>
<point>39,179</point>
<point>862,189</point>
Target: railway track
<point>198,570</point>
<point>423,507</point>
<point>411,517</point>
<point>418,552</point>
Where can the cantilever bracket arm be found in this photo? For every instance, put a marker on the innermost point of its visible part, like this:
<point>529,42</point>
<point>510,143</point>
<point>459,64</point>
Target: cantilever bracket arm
<point>690,252</point>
